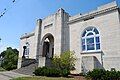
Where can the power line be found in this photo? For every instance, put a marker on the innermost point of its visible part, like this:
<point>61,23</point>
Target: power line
<point>6,9</point>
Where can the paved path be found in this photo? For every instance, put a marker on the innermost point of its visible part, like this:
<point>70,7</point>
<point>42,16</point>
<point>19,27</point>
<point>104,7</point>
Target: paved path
<point>7,75</point>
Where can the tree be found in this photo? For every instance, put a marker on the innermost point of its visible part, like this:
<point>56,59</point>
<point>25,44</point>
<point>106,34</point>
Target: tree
<point>10,58</point>
<point>65,61</point>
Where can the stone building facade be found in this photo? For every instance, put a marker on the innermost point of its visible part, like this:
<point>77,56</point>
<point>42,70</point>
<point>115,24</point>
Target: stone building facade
<point>94,37</point>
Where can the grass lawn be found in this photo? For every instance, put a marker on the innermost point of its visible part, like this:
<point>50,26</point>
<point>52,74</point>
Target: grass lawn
<point>43,78</point>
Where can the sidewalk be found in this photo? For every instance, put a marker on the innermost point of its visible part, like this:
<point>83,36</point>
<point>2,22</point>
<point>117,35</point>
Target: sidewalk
<point>7,75</point>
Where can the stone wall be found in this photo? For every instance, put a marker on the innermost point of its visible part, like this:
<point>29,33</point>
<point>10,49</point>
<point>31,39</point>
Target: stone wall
<point>67,32</point>
<point>109,27</point>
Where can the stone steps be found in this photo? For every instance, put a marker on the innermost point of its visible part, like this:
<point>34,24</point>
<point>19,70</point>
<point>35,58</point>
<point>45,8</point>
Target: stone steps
<point>27,70</point>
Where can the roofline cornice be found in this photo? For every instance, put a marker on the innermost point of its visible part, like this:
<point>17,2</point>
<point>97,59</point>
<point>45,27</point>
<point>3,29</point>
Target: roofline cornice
<point>26,35</point>
<point>92,14</point>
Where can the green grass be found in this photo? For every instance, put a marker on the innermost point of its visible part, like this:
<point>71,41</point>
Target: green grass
<point>42,78</point>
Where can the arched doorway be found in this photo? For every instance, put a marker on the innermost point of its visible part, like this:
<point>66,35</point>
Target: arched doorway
<point>48,48</point>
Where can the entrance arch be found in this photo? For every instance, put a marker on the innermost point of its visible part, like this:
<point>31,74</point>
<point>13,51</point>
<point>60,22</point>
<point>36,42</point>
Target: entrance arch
<point>48,48</point>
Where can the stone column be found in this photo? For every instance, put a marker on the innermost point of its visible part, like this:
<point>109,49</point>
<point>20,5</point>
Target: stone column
<point>19,63</point>
<point>37,39</point>
<point>41,61</point>
<point>50,50</point>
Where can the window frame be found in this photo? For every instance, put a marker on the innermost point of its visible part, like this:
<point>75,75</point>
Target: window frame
<point>85,37</point>
<point>27,50</point>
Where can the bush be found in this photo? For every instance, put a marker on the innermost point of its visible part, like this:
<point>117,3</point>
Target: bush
<point>51,72</point>
<point>65,61</point>
<point>101,74</point>
<point>45,71</point>
<point>65,72</point>
<point>61,66</point>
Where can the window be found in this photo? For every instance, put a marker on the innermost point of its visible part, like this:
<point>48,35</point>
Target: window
<point>90,40</point>
<point>27,50</point>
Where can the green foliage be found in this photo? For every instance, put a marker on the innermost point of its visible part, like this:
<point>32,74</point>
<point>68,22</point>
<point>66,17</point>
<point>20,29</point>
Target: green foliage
<point>61,66</point>
<point>10,58</point>
<point>51,72</point>
<point>65,72</point>
<point>65,61</point>
<point>45,71</point>
<point>100,74</point>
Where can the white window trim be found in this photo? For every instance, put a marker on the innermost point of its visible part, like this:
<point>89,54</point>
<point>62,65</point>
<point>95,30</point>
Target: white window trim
<point>94,36</point>
<point>27,47</point>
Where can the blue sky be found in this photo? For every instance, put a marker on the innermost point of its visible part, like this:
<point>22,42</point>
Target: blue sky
<point>21,17</point>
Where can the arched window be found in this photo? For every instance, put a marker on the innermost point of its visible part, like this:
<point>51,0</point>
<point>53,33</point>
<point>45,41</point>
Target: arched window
<point>90,40</point>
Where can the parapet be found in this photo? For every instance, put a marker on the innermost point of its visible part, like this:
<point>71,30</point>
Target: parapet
<point>107,5</point>
<point>100,10</point>
<point>27,35</point>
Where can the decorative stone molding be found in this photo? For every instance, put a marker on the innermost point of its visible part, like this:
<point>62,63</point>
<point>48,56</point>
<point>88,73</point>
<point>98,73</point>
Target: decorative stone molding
<point>92,14</point>
<point>91,52</point>
<point>27,35</point>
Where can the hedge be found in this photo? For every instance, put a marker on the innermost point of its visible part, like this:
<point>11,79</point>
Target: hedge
<point>51,72</point>
<point>101,74</point>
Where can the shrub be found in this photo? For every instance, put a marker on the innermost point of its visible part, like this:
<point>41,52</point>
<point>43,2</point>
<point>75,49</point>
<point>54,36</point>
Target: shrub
<point>45,71</point>
<point>101,74</point>
<point>61,66</point>
<point>38,71</point>
<point>51,72</point>
<point>65,72</point>
<point>65,61</point>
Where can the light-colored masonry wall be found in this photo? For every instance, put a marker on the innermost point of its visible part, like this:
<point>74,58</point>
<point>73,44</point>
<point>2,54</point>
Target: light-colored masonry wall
<point>108,25</point>
<point>67,33</point>
<point>58,29</point>
<point>30,38</point>
<point>56,25</point>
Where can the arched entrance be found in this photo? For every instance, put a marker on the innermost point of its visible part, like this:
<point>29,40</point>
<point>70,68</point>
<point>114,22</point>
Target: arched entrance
<point>48,48</point>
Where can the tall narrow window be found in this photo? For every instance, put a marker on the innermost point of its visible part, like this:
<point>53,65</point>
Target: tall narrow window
<point>27,50</point>
<point>90,40</point>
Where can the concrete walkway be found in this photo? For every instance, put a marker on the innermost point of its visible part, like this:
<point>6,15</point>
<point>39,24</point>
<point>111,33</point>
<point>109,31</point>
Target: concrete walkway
<point>7,75</point>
